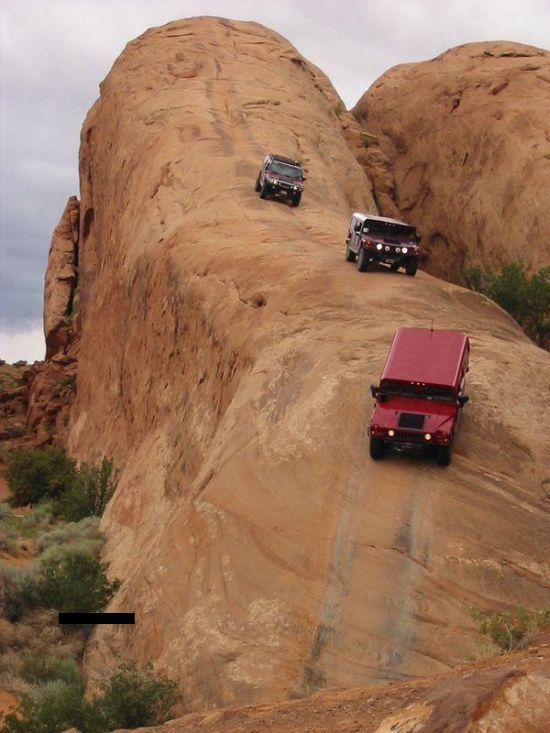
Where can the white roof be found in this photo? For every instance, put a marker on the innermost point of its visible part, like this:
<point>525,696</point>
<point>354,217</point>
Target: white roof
<point>385,219</point>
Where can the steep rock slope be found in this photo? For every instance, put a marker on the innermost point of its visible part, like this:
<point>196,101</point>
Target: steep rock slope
<point>226,353</point>
<point>467,137</point>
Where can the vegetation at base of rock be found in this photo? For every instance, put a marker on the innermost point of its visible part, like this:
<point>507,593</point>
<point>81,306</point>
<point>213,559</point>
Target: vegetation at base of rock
<point>511,630</point>
<point>38,475</point>
<point>35,474</point>
<point>88,494</point>
<point>526,298</point>
<point>76,583</point>
<point>132,697</point>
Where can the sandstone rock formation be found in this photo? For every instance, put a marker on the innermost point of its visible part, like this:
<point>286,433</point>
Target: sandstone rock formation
<point>503,695</point>
<point>466,136</point>
<point>225,360</point>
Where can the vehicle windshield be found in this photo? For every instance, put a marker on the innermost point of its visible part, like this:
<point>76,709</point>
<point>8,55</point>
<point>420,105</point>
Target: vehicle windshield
<point>388,229</point>
<point>423,392</point>
<point>286,170</point>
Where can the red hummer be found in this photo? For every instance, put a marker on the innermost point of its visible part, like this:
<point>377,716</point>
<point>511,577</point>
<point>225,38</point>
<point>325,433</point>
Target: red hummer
<point>421,393</point>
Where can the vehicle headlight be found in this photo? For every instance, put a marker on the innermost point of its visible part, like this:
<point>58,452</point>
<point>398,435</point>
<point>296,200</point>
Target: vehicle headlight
<point>379,246</point>
<point>405,250</point>
<point>427,436</point>
<point>398,250</point>
<point>295,188</point>
<point>391,433</point>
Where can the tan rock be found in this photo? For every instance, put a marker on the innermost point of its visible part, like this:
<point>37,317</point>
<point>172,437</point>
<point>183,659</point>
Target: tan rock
<point>466,136</point>
<point>225,360</point>
<point>60,281</point>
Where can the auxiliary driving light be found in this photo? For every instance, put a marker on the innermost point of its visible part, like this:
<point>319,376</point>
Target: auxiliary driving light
<point>379,246</point>
<point>387,248</point>
<point>391,433</point>
<point>398,250</point>
<point>427,436</point>
<point>405,250</point>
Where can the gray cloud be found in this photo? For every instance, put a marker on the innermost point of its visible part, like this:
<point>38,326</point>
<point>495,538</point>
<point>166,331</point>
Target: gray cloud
<point>55,54</point>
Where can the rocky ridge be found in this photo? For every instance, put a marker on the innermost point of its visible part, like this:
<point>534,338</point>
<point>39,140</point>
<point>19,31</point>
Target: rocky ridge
<point>462,141</point>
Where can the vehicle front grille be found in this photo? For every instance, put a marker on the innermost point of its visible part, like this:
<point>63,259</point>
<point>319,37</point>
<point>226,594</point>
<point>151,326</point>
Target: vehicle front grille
<point>409,437</point>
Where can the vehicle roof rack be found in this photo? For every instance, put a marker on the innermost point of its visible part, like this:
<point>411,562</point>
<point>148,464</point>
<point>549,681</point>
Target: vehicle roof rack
<point>284,159</point>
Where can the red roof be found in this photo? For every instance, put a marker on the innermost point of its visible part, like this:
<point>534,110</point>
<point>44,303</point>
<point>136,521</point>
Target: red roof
<point>425,356</point>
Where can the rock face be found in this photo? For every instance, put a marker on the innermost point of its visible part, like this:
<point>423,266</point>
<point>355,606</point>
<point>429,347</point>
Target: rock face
<point>503,695</point>
<point>61,280</point>
<point>225,360</point>
<point>466,137</point>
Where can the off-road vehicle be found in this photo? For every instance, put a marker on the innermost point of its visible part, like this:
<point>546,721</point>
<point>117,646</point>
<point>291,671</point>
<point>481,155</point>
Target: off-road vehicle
<point>421,393</point>
<point>374,239</point>
<point>281,177</point>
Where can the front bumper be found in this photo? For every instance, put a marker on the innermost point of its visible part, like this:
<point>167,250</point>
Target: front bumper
<point>409,438</point>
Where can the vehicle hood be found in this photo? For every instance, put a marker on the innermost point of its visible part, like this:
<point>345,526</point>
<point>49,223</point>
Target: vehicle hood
<point>437,415</point>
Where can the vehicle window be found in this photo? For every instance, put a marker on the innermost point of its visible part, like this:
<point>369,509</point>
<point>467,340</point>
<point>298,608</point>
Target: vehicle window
<point>286,170</point>
<point>397,389</point>
<point>392,230</point>
<point>445,394</point>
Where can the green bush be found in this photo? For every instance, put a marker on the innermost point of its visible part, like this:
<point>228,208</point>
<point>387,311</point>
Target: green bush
<point>131,698</point>
<point>88,493</point>
<point>69,534</point>
<point>511,630</point>
<point>16,586</point>
<point>43,667</point>
<point>526,298</point>
<point>76,583</point>
<point>36,474</point>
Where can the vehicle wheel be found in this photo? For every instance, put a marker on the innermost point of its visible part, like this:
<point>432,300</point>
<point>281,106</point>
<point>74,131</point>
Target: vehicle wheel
<point>363,261</point>
<point>412,267</point>
<point>295,200</point>
<point>264,191</point>
<point>350,254</point>
<point>394,267</point>
<point>376,449</point>
<point>258,187</point>
<point>444,455</point>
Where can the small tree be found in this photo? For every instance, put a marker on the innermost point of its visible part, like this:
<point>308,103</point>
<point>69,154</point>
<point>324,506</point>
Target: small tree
<point>76,584</point>
<point>511,630</point>
<point>35,474</point>
<point>88,494</point>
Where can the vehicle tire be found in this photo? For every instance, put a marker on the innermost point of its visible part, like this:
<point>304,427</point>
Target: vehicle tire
<point>350,254</point>
<point>295,200</point>
<point>376,449</point>
<point>363,262</point>
<point>412,267</point>
<point>258,187</point>
<point>443,455</point>
<point>264,191</point>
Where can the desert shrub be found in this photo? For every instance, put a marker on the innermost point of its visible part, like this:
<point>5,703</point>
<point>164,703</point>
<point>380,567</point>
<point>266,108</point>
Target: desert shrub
<point>88,493</point>
<point>43,667</point>
<point>7,635</point>
<point>5,510</point>
<point>526,298</point>
<point>135,697</point>
<point>132,697</point>
<point>511,630</point>
<point>36,474</point>
<point>77,583</point>
<point>16,584</point>
<point>69,534</point>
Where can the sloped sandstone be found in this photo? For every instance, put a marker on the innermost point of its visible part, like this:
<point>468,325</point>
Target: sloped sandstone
<point>503,695</point>
<point>467,139</point>
<point>226,355</point>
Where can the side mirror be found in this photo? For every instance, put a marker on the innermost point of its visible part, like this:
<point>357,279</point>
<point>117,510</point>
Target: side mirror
<point>462,400</point>
<point>357,227</point>
<point>374,390</point>
<point>417,238</point>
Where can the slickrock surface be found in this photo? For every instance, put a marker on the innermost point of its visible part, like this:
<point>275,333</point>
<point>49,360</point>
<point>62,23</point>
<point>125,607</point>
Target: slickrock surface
<point>467,137</point>
<point>504,695</point>
<point>225,361</point>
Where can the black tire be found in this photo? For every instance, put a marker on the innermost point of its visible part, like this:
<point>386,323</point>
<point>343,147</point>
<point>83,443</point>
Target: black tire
<point>412,267</point>
<point>443,455</point>
<point>350,254</point>
<point>264,191</point>
<point>376,449</point>
<point>363,262</point>
<point>295,200</point>
<point>258,187</point>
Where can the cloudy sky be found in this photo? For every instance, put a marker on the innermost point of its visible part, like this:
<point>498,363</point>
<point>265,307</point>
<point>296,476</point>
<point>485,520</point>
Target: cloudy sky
<point>54,53</point>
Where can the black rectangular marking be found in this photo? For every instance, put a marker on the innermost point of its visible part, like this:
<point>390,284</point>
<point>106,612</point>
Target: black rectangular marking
<point>411,420</point>
<point>97,618</point>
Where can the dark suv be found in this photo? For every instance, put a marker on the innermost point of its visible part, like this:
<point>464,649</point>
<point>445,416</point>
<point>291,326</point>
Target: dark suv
<point>374,239</point>
<point>281,177</point>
